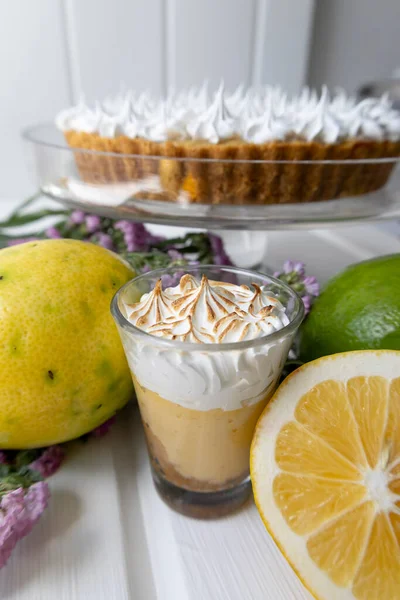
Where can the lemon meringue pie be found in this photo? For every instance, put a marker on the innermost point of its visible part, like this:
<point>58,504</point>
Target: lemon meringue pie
<point>242,147</point>
<point>200,408</point>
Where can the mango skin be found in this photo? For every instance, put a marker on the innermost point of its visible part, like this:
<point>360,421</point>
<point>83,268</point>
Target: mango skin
<point>63,370</point>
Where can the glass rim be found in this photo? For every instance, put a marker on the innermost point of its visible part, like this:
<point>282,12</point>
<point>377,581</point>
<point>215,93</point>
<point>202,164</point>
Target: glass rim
<point>30,134</point>
<point>286,331</point>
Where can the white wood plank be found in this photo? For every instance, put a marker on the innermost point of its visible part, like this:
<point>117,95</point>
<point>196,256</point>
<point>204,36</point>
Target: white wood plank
<point>107,535</point>
<point>234,558</point>
<point>170,47</point>
<point>165,553</point>
<point>213,41</point>
<point>287,37</point>
<point>128,463</point>
<point>72,48</point>
<point>90,542</point>
<point>260,19</point>
<point>116,43</point>
<point>77,547</point>
<point>34,83</point>
<point>354,42</point>
<point>210,560</point>
<point>328,252</point>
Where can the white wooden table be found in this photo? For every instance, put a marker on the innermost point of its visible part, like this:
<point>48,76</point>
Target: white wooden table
<point>107,535</point>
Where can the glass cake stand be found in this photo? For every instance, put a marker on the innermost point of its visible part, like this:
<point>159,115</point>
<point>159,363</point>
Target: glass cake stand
<point>228,194</point>
<point>197,192</point>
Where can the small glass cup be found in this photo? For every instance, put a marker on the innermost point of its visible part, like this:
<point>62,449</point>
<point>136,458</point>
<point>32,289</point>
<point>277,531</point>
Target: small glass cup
<point>199,403</point>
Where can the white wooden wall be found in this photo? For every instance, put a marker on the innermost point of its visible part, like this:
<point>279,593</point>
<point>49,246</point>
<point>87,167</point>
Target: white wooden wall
<point>52,50</point>
<point>354,42</point>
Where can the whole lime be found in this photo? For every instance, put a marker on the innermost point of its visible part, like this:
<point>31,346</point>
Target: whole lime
<point>358,309</point>
<point>63,370</point>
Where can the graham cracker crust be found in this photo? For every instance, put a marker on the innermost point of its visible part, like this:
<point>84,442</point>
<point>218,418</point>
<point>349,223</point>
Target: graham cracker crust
<point>216,181</point>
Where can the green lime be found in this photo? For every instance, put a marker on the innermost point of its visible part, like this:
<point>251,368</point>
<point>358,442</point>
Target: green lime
<point>358,309</point>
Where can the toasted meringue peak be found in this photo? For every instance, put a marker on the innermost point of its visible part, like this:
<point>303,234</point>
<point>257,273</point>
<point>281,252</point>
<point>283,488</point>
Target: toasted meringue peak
<point>208,311</point>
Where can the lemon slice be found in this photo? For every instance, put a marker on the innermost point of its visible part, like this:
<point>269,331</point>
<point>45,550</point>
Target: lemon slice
<point>325,468</point>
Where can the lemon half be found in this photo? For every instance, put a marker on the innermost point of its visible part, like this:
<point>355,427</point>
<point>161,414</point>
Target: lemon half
<point>325,468</point>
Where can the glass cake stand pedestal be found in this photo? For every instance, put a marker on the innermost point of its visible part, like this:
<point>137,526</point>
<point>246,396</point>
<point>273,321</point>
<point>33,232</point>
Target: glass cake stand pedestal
<point>240,199</point>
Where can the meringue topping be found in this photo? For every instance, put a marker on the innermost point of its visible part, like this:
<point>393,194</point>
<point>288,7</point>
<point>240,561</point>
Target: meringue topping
<point>255,115</point>
<point>208,312</point>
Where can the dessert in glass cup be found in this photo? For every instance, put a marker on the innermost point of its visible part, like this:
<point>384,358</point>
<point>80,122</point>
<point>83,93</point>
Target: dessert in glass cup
<point>206,351</point>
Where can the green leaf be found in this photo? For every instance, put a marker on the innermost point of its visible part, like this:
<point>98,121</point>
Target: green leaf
<point>24,478</point>
<point>4,470</point>
<point>26,203</point>
<point>25,458</point>
<point>6,238</point>
<point>17,220</point>
<point>30,475</point>
<point>169,242</point>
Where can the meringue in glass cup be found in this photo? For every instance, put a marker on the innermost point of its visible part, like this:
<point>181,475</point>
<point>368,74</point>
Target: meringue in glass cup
<point>206,349</point>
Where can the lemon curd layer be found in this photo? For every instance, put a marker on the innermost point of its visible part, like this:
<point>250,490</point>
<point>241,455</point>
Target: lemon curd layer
<point>200,450</point>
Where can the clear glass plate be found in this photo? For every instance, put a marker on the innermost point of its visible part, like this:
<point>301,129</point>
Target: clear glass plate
<point>214,194</point>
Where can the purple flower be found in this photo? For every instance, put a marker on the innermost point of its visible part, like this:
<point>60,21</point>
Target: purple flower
<point>93,223</point>
<point>167,280</point>
<point>53,233</point>
<point>311,285</point>
<point>154,239</point>
<point>122,225</point>
<point>290,266</point>
<point>104,428</point>
<point>132,245</point>
<point>77,217</point>
<point>171,280</point>
<point>3,458</point>
<point>103,239</point>
<point>306,286</point>
<point>220,256</point>
<point>136,237</point>
<point>222,260</point>
<point>20,510</point>
<point>49,461</point>
<point>21,241</point>
<point>148,237</point>
<point>174,254</point>
<point>140,231</point>
<point>217,245</point>
<point>307,303</point>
